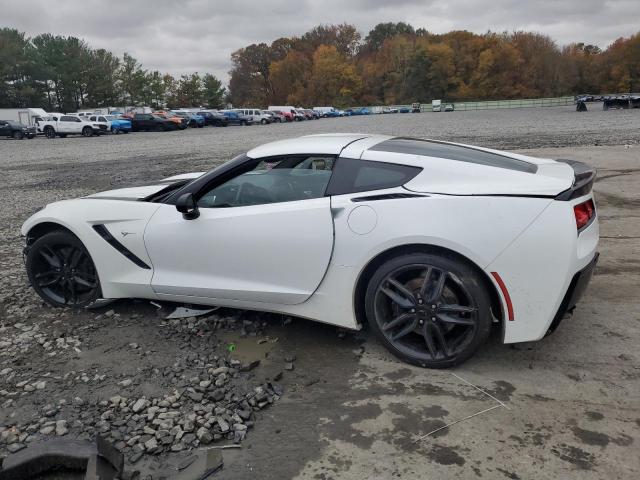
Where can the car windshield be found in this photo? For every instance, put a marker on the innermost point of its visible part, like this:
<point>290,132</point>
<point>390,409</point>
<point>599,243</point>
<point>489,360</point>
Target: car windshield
<point>111,118</point>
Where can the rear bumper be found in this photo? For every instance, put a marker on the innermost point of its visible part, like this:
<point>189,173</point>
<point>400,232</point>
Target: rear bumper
<point>574,293</point>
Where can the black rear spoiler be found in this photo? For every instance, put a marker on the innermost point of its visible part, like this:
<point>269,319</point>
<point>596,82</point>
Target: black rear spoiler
<point>585,176</point>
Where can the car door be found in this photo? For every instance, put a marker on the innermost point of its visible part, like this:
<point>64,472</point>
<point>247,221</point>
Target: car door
<point>5,130</point>
<point>265,235</point>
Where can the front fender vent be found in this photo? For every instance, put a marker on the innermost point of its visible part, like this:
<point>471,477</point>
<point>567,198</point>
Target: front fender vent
<point>110,239</point>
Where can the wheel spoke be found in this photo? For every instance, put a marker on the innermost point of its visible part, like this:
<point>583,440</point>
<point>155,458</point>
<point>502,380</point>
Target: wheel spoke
<point>439,336</point>
<point>397,298</point>
<point>401,288</point>
<point>399,320</point>
<point>404,331</point>
<point>456,309</point>
<point>75,257</point>
<point>50,256</point>
<point>425,282</point>
<point>54,277</point>
<point>438,287</point>
<point>428,339</point>
<point>87,281</point>
<point>72,291</point>
<point>454,320</point>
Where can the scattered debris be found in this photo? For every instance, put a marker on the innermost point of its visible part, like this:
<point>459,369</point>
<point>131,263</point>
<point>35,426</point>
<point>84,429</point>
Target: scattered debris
<point>498,405</point>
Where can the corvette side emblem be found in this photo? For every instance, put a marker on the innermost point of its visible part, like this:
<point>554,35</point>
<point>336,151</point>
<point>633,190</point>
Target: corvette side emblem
<point>124,234</point>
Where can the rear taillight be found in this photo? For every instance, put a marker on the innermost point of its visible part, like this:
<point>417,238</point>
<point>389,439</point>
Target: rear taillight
<point>584,212</point>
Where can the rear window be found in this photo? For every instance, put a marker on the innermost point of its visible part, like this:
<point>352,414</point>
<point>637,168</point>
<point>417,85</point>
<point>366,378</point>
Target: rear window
<point>352,176</point>
<point>431,148</point>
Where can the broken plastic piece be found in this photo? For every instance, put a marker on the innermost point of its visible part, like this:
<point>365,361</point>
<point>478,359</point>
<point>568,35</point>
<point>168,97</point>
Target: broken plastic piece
<point>186,312</point>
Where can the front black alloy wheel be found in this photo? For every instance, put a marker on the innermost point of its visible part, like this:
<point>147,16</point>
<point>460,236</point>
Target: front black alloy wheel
<point>62,272</point>
<point>428,310</point>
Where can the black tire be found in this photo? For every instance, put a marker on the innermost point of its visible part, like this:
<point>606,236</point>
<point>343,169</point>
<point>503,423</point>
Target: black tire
<point>87,132</point>
<point>263,121</point>
<point>49,132</point>
<point>431,326</point>
<point>61,271</point>
<point>18,135</point>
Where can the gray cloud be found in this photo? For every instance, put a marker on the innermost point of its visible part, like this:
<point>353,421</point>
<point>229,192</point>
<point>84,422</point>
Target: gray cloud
<point>199,35</point>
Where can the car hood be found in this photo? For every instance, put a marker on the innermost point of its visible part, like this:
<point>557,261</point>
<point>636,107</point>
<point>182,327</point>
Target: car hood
<point>145,191</point>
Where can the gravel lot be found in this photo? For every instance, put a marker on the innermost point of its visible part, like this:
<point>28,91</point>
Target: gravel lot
<point>323,404</point>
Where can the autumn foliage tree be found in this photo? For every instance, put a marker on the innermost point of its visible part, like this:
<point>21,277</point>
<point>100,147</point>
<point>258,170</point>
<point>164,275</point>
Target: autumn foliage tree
<point>396,63</point>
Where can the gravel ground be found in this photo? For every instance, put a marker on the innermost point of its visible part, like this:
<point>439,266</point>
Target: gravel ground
<point>159,388</point>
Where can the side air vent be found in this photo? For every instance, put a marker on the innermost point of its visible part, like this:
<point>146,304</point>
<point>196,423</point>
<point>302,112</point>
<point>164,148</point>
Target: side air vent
<point>386,196</point>
<point>104,233</point>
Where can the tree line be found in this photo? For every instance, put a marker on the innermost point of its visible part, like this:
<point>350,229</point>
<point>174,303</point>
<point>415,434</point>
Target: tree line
<point>398,64</point>
<point>329,65</point>
<point>65,74</point>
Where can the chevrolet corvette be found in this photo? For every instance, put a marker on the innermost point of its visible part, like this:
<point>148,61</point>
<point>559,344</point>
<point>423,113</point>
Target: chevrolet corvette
<point>431,244</point>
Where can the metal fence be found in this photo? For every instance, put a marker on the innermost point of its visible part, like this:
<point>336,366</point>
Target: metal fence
<point>522,103</point>
<point>491,104</point>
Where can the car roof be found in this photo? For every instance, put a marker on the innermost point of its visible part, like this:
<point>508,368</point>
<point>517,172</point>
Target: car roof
<point>328,143</point>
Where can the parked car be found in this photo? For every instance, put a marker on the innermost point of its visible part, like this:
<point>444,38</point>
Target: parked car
<point>181,122</point>
<point>63,125</point>
<point>361,111</point>
<point>404,110</point>
<point>415,108</point>
<point>449,107</point>
<point>299,115</point>
<point>257,115</point>
<point>215,119</point>
<point>288,116</point>
<point>194,120</point>
<point>312,114</point>
<point>275,116</point>
<point>236,118</point>
<point>429,290</point>
<point>150,122</point>
<point>16,130</point>
<point>325,111</point>
<point>114,123</point>
<point>286,110</point>
<point>332,114</point>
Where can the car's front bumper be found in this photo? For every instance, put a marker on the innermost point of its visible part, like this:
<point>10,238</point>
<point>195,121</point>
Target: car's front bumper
<point>574,293</point>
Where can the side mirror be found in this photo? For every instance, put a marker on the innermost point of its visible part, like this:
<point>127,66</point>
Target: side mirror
<point>186,205</point>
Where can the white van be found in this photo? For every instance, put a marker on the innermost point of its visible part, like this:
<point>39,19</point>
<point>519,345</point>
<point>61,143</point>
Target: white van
<point>258,115</point>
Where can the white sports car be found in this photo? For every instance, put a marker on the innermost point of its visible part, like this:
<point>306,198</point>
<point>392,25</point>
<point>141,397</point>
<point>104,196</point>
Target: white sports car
<point>427,241</point>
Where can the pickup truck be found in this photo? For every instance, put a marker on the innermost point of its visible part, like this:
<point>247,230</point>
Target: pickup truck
<point>63,125</point>
<point>9,128</point>
<point>114,123</point>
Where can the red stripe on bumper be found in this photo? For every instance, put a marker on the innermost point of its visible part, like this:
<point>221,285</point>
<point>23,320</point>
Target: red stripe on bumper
<point>505,293</point>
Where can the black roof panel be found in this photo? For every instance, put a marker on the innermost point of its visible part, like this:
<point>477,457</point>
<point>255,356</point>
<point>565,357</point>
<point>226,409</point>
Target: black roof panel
<point>433,148</point>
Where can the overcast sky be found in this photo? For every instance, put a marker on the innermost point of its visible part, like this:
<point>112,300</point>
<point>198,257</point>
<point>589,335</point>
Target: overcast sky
<point>183,36</point>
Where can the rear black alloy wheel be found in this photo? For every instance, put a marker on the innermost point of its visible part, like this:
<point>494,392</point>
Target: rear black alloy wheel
<point>62,272</point>
<point>87,132</point>
<point>428,310</point>
<point>18,135</point>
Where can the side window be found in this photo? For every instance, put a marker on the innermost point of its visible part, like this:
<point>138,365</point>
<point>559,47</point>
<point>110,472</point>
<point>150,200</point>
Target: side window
<point>273,180</point>
<point>102,119</point>
<point>67,119</point>
<point>352,176</point>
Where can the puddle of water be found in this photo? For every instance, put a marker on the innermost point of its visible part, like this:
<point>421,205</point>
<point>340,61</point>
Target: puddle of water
<point>247,349</point>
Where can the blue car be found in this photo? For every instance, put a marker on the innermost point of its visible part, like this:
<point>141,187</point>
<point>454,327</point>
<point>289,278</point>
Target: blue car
<point>360,111</point>
<point>115,123</point>
<point>194,119</point>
